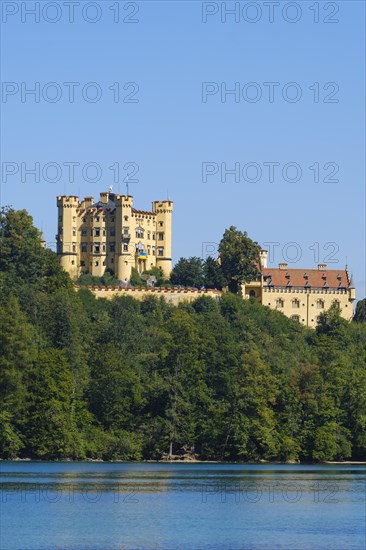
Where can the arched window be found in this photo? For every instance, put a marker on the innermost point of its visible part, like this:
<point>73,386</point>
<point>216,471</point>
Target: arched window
<point>337,304</point>
<point>139,233</point>
<point>252,294</point>
<point>295,318</point>
<point>296,303</point>
<point>320,304</point>
<point>279,303</point>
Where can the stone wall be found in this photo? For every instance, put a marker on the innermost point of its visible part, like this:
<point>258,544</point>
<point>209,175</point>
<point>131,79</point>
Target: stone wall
<point>171,295</point>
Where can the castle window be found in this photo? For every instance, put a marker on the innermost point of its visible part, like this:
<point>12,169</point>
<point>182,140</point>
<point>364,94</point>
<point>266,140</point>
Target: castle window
<point>83,232</point>
<point>125,247</point>
<point>252,293</point>
<point>97,232</point>
<point>295,303</point>
<point>153,237</point>
<point>148,235</point>
<point>149,250</point>
<point>84,220</point>
<point>84,247</point>
<point>73,232</point>
<point>160,251</point>
<point>161,224</point>
<point>96,264</point>
<point>160,236</point>
<point>103,232</point>
<point>82,263</point>
<point>97,248</point>
<point>139,233</point>
<point>73,247</point>
<point>97,218</point>
<point>103,247</point>
<point>337,304</point>
<point>112,232</point>
<point>72,262</point>
<point>126,218</point>
<point>279,303</point>
<point>295,318</point>
<point>112,247</point>
<point>153,250</point>
<point>320,304</point>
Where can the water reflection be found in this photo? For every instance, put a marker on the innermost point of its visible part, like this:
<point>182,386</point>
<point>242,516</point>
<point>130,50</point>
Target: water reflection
<point>117,505</point>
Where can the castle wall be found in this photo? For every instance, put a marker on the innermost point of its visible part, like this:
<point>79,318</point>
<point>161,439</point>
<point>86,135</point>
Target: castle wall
<point>172,296</point>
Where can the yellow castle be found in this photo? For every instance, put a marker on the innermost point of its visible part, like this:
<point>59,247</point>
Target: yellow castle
<point>111,235</point>
<point>302,294</point>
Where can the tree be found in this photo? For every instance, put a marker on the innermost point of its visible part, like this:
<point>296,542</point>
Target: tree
<point>360,314</point>
<point>50,430</point>
<point>23,259</point>
<point>188,272</point>
<point>212,273</point>
<point>239,258</point>
<point>17,352</point>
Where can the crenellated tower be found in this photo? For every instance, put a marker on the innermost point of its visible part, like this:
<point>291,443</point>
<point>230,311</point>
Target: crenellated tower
<point>67,234</point>
<point>163,211</point>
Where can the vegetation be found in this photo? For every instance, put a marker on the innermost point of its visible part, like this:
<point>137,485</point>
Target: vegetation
<point>108,279</point>
<point>82,377</point>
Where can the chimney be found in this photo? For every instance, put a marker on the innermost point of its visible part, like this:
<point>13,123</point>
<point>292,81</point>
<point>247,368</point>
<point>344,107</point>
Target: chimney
<point>104,197</point>
<point>321,267</point>
<point>263,255</point>
<point>283,265</point>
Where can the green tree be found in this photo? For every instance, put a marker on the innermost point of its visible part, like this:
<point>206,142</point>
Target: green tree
<point>188,272</point>
<point>23,258</point>
<point>239,258</point>
<point>212,274</point>
<point>50,430</point>
<point>360,314</point>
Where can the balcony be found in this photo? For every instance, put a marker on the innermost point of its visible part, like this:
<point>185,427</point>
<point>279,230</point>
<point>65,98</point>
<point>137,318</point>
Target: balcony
<point>126,236</point>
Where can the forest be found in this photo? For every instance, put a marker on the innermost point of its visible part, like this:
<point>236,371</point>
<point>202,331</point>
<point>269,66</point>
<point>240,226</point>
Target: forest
<point>86,378</point>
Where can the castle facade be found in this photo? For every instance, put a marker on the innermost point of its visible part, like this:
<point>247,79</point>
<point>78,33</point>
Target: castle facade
<point>111,234</point>
<point>302,294</point>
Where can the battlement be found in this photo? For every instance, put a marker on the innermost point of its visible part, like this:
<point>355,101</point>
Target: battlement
<point>162,207</point>
<point>68,201</point>
<point>171,295</point>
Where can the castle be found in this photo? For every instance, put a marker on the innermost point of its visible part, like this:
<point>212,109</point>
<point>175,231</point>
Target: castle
<point>112,235</point>
<point>302,294</point>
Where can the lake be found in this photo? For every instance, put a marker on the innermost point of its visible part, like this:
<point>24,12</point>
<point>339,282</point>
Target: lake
<point>110,506</point>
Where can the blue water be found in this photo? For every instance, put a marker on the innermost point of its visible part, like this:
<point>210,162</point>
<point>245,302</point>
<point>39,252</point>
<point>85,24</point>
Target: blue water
<point>110,506</point>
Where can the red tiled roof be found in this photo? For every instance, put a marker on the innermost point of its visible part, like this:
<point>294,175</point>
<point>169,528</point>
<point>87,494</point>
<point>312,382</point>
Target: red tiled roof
<point>317,278</point>
<point>144,212</point>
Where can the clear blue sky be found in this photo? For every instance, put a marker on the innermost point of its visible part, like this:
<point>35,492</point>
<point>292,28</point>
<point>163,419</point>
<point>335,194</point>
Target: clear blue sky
<point>170,131</point>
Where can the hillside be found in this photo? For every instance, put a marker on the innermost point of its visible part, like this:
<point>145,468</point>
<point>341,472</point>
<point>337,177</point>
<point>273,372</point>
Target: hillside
<point>85,378</point>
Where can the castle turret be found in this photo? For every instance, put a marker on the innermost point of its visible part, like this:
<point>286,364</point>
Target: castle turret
<point>67,237</point>
<point>163,211</point>
<point>124,248</point>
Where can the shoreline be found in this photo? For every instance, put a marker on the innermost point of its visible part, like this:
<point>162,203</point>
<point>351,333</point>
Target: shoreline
<point>183,461</point>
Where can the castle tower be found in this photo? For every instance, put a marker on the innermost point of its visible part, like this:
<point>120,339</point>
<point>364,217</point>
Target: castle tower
<point>67,235</point>
<point>163,211</point>
<point>124,247</point>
